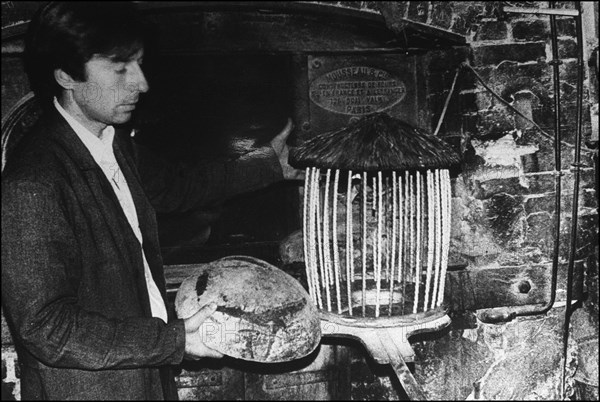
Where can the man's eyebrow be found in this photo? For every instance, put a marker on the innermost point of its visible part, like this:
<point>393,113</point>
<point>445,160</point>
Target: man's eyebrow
<point>106,58</point>
<point>115,58</point>
<point>119,59</point>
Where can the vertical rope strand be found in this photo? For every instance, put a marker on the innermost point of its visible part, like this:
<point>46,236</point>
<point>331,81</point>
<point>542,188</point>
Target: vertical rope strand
<point>423,241</point>
<point>349,239</point>
<point>418,245</point>
<point>305,237</point>
<point>438,237</point>
<point>325,236</point>
<point>319,230</point>
<point>310,265</point>
<point>336,257</point>
<point>393,237</point>
<point>401,229</point>
<point>364,243</point>
<point>379,240</point>
<point>351,230</point>
<point>411,238</point>
<point>313,234</point>
<point>387,226</point>
<point>375,234</point>
<point>411,233</point>
<point>407,236</point>
<point>326,230</point>
<point>446,227</point>
<point>430,236</point>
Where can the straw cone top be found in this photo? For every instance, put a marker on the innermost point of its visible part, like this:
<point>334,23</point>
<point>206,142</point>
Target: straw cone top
<point>376,142</point>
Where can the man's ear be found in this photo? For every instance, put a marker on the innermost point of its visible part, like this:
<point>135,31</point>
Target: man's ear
<point>64,79</point>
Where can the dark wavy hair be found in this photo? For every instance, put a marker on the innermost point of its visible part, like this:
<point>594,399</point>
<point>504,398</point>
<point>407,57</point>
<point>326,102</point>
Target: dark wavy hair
<point>66,35</point>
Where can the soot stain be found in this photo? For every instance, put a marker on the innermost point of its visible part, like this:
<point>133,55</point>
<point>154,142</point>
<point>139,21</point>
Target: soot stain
<point>201,284</point>
<point>276,315</point>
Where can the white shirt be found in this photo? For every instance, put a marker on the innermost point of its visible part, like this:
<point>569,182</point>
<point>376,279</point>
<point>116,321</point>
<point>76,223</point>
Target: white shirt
<point>102,152</point>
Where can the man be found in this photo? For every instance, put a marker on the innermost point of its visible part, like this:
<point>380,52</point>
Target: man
<point>83,287</point>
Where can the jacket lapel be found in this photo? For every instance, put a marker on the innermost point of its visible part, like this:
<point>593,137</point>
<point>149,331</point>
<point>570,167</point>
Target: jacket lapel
<point>100,188</point>
<point>145,213</point>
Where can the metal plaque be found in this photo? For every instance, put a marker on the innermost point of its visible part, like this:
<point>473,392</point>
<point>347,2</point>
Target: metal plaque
<point>357,90</point>
<point>343,88</point>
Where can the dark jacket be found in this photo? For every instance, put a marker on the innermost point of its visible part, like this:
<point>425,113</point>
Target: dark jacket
<point>73,287</point>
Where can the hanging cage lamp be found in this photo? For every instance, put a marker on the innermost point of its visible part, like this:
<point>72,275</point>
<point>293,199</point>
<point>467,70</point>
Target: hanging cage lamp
<point>376,234</point>
<point>376,217</point>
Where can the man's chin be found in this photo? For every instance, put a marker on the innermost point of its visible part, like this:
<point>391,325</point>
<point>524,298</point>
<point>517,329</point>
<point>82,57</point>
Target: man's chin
<point>122,117</point>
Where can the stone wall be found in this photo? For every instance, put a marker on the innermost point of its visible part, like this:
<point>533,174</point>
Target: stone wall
<point>503,200</point>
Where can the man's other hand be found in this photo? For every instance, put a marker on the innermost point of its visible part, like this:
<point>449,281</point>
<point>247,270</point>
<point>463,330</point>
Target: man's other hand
<point>282,150</point>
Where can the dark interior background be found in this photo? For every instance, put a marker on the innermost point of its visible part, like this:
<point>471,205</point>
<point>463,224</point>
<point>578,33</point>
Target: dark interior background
<point>203,107</point>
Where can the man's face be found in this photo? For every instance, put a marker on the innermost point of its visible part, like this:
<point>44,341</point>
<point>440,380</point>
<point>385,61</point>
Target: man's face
<point>111,90</point>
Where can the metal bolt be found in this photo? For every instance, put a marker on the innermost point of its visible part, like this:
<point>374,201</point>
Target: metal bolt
<point>524,286</point>
<point>316,63</point>
<point>306,126</point>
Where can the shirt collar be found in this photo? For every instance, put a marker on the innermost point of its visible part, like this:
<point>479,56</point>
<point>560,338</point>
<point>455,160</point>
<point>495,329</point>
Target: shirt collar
<point>98,146</point>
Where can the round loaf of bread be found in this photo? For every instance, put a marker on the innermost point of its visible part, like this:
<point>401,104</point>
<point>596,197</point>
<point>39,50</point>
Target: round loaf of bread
<point>263,314</point>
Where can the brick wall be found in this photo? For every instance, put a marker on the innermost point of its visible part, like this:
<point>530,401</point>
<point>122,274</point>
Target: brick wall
<point>503,201</point>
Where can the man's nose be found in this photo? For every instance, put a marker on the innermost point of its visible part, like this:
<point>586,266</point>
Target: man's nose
<point>142,83</point>
<point>138,81</point>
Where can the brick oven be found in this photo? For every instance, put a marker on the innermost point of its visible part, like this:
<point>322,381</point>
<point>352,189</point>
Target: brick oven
<point>224,77</point>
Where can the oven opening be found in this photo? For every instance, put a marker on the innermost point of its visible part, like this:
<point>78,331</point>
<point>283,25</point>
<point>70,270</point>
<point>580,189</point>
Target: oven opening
<point>203,107</point>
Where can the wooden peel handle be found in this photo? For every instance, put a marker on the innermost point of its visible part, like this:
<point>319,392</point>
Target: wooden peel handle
<point>387,345</point>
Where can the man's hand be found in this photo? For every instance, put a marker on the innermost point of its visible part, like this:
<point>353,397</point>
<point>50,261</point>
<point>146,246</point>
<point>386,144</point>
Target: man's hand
<point>194,344</point>
<point>282,150</point>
